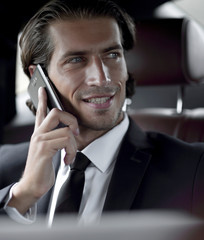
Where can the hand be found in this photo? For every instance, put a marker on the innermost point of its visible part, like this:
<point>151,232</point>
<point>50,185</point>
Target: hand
<point>39,175</point>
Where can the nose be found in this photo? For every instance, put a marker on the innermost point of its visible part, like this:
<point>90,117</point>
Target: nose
<point>97,73</point>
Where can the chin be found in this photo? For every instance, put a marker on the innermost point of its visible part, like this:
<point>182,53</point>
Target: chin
<point>102,122</point>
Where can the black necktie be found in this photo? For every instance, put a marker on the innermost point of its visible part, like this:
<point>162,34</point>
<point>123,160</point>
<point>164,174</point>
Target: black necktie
<point>70,194</point>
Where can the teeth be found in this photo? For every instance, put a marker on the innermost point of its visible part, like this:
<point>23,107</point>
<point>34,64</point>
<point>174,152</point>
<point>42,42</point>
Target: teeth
<point>98,100</point>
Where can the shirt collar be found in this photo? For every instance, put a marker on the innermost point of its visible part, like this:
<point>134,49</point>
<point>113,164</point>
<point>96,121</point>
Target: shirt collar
<point>103,150</point>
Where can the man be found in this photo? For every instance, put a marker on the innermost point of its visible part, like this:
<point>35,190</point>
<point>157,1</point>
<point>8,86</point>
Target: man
<point>81,45</point>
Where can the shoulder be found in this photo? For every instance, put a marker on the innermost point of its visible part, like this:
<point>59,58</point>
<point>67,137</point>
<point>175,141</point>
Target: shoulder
<point>166,152</point>
<point>162,142</point>
<point>168,142</point>
<point>175,150</point>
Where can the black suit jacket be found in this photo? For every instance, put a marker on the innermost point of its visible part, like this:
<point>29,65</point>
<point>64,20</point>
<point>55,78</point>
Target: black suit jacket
<point>153,171</point>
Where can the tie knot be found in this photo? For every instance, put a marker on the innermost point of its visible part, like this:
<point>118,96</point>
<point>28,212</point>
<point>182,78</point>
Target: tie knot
<point>81,162</point>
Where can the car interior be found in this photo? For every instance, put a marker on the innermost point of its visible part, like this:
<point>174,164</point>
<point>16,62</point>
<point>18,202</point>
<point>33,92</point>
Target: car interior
<point>172,55</point>
<point>166,62</point>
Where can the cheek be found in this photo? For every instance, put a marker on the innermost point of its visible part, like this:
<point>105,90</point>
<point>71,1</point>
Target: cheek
<point>121,80</point>
<point>119,73</point>
<point>66,91</point>
<point>68,86</point>
<point>123,77</point>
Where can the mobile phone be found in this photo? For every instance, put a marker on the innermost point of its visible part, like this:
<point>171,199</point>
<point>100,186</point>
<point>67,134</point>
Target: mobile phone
<point>40,79</point>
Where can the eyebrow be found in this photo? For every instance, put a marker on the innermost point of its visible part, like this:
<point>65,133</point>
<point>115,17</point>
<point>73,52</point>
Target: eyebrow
<point>78,53</point>
<point>115,47</point>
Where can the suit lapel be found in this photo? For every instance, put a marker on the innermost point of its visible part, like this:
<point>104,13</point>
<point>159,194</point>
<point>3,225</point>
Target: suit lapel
<point>132,162</point>
<point>44,202</point>
<point>129,170</point>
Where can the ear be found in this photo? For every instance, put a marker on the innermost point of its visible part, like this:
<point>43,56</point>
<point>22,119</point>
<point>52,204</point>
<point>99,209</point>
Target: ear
<point>31,69</point>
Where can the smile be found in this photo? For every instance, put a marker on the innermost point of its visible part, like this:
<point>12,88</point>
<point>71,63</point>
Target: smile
<point>98,100</point>
<point>100,103</point>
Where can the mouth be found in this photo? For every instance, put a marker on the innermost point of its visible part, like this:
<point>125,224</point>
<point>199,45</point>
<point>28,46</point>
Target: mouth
<point>99,102</point>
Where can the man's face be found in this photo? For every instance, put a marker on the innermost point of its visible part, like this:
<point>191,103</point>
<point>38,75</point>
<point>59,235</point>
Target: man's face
<point>89,70</point>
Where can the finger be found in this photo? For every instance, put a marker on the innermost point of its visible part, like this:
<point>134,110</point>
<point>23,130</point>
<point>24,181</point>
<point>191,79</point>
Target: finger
<point>70,155</point>
<point>66,142</point>
<point>42,107</point>
<point>56,133</point>
<point>52,141</point>
<point>57,116</point>
<point>61,143</point>
<point>70,148</point>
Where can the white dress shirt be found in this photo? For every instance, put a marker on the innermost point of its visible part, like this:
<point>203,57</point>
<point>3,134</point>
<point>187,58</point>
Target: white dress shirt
<point>102,153</point>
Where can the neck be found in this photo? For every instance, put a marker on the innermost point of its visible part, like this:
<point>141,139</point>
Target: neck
<point>88,135</point>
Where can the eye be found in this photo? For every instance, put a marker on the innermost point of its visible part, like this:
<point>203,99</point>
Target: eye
<point>76,60</point>
<point>113,55</point>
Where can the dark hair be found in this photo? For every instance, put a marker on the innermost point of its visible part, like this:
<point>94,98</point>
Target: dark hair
<point>37,46</point>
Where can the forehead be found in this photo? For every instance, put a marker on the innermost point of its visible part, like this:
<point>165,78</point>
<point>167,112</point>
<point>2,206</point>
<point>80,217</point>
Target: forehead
<point>85,33</point>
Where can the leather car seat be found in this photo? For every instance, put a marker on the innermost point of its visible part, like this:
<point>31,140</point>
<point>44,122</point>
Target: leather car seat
<point>169,52</point>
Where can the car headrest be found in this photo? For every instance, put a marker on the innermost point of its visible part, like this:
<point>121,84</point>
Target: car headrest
<point>167,52</point>
<point>193,49</point>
